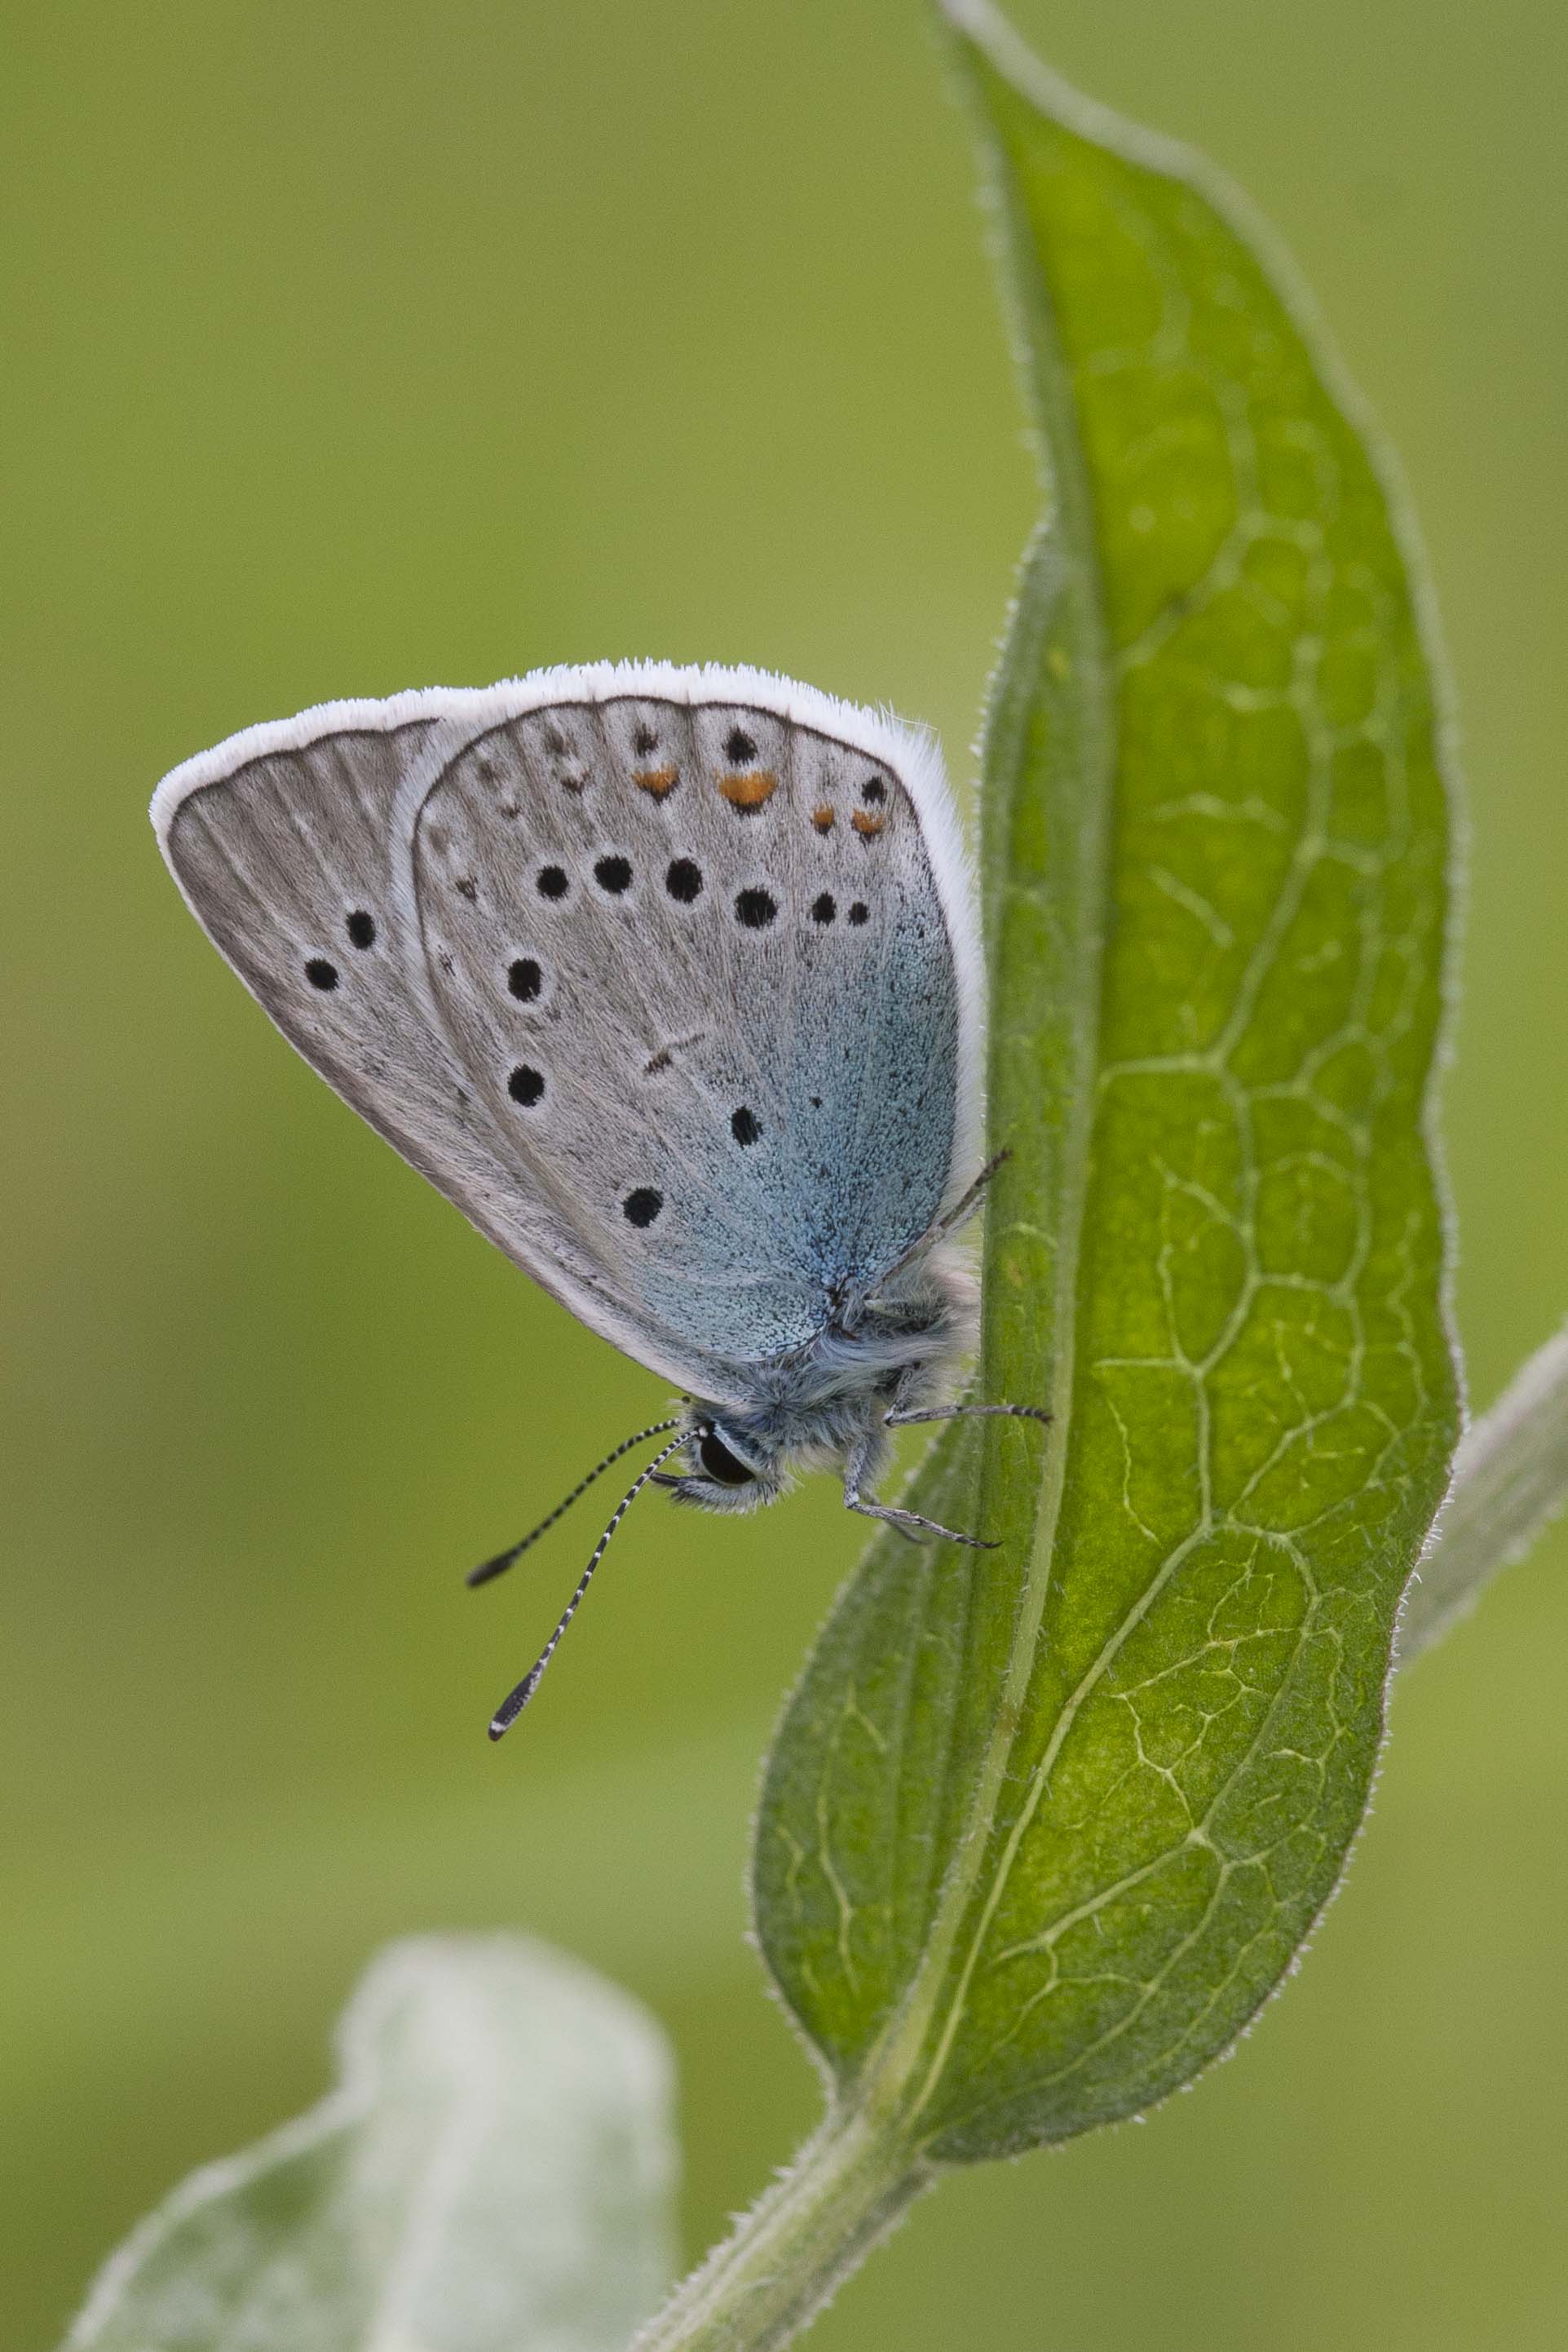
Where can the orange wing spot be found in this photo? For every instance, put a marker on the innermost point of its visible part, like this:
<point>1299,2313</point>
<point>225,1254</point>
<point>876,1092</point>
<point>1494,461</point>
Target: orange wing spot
<point>822,818</point>
<point>657,780</point>
<point>865,824</point>
<point>748,791</point>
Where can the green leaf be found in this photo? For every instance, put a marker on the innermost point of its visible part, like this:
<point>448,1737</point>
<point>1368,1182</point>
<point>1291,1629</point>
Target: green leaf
<point>493,2173</point>
<point>1043,1827</point>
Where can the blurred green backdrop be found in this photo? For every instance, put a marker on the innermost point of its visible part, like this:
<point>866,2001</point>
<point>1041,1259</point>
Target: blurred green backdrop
<point>359,347</point>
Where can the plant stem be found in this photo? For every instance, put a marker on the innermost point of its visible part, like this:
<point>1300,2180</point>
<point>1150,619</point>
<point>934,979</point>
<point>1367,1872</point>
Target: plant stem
<point>1510,1477</point>
<point>850,2184</point>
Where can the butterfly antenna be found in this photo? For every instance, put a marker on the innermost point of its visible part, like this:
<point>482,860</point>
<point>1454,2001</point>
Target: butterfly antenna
<point>511,1706</point>
<point>503,1559</point>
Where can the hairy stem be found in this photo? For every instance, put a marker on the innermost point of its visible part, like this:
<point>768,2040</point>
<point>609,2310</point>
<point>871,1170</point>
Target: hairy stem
<point>851,2182</point>
<point>1511,1476</point>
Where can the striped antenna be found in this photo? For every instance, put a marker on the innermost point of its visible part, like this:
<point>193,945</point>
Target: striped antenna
<point>503,1559</point>
<point>511,1706</point>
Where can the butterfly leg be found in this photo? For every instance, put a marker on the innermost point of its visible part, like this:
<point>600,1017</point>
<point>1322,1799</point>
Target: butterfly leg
<point>966,1206</point>
<point>911,1524</point>
<point>903,1411</point>
<point>956,1218</point>
<point>894,1419</point>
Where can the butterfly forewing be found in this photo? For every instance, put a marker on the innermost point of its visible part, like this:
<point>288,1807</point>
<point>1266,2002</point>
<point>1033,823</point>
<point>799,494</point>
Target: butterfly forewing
<point>661,989</point>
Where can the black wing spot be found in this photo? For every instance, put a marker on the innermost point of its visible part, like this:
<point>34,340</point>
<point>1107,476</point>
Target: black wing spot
<point>683,880</point>
<point>739,746</point>
<point>524,979</point>
<point>873,790</point>
<point>744,1127</point>
<point>320,973</point>
<point>468,888</point>
<point>824,909</point>
<point>526,1085</point>
<point>859,912</point>
<point>644,740</point>
<point>614,873</point>
<point>362,928</point>
<point>756,910</point>
<point>643,1205</point>
<point>555,740</point>
<point>551,882</point>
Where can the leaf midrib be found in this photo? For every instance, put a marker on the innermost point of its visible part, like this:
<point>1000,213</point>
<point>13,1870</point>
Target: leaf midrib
<point>1063,566</point>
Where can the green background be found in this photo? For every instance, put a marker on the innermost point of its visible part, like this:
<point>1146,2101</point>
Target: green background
<point>355,348</point>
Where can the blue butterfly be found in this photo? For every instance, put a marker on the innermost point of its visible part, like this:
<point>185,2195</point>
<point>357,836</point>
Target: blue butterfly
<point>671,979</point>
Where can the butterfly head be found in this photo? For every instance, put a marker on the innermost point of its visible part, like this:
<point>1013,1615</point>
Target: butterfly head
<point>725,1471</point>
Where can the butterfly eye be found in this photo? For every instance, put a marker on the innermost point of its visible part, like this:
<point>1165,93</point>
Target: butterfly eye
<point>720,1464</point>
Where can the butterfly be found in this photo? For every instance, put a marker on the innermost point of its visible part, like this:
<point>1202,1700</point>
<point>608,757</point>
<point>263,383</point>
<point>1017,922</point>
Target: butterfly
<point>671,979</point>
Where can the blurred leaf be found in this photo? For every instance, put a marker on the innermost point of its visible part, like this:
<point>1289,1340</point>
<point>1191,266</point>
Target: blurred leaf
<point>493,2175</point>
<point>1044,1826</point>
<point>1511,1478</point>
